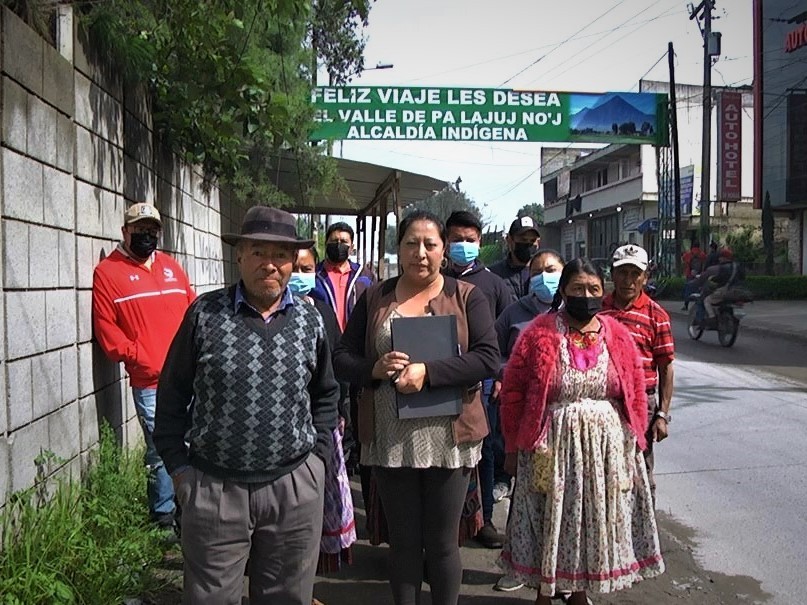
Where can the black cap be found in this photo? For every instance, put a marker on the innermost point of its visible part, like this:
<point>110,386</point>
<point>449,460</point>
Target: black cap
<point>522,225</point>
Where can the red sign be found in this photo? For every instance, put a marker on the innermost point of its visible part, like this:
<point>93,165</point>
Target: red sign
<point>796,38</point>
<point>729,146</point>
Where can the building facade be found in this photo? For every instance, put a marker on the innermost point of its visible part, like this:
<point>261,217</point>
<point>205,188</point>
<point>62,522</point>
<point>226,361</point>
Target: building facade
<point>603,198</point>
<point>780,89</point>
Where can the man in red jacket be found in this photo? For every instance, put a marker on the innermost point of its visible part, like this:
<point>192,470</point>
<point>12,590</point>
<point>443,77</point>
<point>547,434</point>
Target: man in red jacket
<point>139,297</point>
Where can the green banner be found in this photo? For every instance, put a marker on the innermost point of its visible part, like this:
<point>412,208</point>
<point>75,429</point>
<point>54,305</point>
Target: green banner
<point>488,114</point>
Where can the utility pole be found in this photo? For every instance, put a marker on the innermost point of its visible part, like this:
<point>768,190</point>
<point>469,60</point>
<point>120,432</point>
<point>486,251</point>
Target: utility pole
<point>676,157</point>
<point>706,7</point>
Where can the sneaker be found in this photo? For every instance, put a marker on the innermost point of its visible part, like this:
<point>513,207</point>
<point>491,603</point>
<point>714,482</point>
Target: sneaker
<point>507,584</point>
<point>500,491</point>
<point>489,537</point>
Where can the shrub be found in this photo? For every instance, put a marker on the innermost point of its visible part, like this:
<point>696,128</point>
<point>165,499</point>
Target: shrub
<point>763,287</point>
<point>90,542</point>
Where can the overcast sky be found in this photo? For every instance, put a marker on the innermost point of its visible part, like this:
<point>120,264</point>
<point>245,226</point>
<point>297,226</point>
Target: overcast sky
<point>571,45</point>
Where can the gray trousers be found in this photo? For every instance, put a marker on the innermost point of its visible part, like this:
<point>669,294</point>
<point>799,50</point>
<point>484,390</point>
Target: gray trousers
<point>275,526</point>
<point>649,458</point>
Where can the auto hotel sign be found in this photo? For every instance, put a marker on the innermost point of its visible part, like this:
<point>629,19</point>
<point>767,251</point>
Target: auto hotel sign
<point>486,114</point>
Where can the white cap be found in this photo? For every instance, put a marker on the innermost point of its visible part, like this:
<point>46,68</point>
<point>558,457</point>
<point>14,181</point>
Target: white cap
<point>630,255</point>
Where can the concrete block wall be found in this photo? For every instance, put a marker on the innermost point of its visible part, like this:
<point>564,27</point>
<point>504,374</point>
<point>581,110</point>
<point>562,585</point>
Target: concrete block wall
<point>76,148</point>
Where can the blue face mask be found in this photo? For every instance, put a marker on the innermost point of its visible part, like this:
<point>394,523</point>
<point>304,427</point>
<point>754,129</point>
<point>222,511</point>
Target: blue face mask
<point>302,283</point>
<point>544,285</point>
<point>463,253</point>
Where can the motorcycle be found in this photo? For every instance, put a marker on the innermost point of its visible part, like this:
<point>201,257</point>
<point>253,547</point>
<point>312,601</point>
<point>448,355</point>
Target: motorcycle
<point>727,320</point>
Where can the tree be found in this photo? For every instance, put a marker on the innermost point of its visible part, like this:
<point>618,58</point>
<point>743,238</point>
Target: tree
<point>445,202</point>
<point>534,211</point>
<point>231,79</point>
<point>336,33</point>
<point>767,233</point>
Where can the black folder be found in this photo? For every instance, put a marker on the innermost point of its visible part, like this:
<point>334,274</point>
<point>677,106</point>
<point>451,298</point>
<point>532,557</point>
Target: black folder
<point>425,339</point>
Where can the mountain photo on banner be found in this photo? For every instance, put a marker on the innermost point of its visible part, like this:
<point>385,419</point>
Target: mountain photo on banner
<point>623,113</point>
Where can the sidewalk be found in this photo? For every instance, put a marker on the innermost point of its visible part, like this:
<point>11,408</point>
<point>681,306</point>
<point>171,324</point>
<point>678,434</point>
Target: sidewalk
<point>780,318</point>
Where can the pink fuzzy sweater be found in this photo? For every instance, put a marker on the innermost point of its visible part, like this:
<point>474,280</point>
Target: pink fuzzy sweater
<point>531,371</point>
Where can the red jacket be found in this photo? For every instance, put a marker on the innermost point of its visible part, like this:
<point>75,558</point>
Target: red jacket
<point>532,366</point>
<point>137,311</point>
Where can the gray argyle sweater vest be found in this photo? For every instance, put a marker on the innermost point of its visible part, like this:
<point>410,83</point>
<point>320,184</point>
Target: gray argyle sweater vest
<point>252,409</point>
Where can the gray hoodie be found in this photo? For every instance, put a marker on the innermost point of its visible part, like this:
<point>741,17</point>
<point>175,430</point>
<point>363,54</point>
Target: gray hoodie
<point>514,319</point>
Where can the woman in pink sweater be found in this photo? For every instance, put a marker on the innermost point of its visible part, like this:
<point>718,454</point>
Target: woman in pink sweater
<point>573,409</point>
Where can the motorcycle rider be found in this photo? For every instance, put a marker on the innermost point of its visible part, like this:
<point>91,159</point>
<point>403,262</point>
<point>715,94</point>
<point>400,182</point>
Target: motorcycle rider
<point>716,281</point>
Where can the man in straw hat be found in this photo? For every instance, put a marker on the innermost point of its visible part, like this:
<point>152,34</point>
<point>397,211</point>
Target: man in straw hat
<point>249,378</point>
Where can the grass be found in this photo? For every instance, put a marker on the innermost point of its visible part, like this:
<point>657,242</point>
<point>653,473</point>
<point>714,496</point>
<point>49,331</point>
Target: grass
<point>81,542</point>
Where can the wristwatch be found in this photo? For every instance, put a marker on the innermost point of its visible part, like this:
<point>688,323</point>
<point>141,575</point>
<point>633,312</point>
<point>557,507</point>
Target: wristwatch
<point>664,416</point>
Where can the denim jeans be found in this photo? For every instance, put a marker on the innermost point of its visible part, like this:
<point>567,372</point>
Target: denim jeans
<point>492,463</point>
<point>160,487</point>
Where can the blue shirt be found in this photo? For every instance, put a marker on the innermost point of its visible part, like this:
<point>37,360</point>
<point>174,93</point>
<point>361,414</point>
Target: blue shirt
<point>286,301</point>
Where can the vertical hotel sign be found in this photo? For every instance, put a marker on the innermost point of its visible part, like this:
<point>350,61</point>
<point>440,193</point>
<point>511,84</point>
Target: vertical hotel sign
<point>729,146</point>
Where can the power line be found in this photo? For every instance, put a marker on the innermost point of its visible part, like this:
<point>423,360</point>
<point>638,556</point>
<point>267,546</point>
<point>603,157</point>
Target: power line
<point>520,53</point>
<point>625,24</point>
<point>542,57</point>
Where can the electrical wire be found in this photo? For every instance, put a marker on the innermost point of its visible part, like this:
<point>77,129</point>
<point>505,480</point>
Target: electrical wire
<point>542,57</point>
<point>625,24</point>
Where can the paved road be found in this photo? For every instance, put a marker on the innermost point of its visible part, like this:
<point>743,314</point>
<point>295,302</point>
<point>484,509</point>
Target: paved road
<point>734,468</point>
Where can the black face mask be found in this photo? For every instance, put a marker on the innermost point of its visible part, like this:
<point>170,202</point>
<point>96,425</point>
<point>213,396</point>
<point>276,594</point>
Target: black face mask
<point>337,252</point>
<point>524,252</point>
<point>583,308</point>
<point>143,245</point>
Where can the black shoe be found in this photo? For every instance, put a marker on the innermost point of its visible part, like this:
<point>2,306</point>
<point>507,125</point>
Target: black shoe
<point>489,537</point>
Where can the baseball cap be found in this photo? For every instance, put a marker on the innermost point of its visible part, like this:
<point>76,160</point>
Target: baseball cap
<point>630,255</point>
<point>141,211</point>
<point>726,253</point>
<point>522,225</point>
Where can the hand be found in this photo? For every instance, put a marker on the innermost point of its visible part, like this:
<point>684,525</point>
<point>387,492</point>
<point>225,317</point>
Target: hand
<point>411,379</point>
<point>511,463</point>
<point>179,476</point>
<point>389,364</point>
<point>497,389</point>
<point>660,429</point>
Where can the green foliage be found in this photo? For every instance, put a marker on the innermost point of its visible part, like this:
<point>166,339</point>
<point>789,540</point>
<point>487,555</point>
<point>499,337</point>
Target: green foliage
<point>444,202</point>
<point>491,253</point>
<point>231,80</point>
<point>535,211</point>
<point>763,287</point>
<point>336,37</point>
<point>89,542</point>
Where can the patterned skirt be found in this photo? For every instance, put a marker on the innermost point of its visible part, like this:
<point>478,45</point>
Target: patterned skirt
<point>338,524</point>
<point>581,516</point>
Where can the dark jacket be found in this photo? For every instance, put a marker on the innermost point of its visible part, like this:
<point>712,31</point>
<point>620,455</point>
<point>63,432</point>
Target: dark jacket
<point>360,280</point>
<point>493,287</point>
<point>516,278</point>
<point>514,319</point>
<point>356,354</point>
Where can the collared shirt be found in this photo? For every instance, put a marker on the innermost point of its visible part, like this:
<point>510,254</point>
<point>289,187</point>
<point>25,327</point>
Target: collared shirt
<point>649,324</point>
<point>339,276</point>
<point>287,300</point>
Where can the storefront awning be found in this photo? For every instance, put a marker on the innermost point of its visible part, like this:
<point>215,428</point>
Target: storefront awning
<point>649,225</point>
<point>366,185</point>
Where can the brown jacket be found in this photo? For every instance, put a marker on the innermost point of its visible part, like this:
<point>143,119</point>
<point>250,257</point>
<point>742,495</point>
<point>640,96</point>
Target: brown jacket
<point>355,355</point>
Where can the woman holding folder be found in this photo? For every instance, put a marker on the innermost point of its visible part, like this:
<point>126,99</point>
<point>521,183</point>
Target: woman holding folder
<point>422,464</point>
